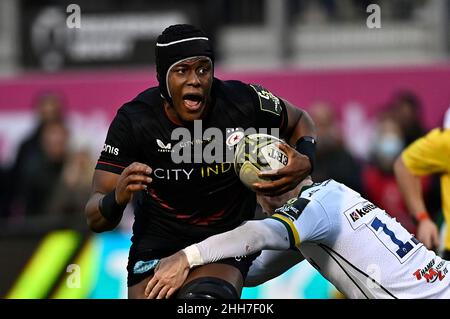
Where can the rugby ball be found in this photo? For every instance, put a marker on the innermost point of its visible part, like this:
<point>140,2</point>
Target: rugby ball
<point>256,153</point>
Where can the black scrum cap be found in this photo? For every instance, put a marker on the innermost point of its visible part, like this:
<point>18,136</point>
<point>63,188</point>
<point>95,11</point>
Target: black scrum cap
<point>179,42</point>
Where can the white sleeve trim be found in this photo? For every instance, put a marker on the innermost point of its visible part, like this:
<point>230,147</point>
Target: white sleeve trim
<point>193,256</point>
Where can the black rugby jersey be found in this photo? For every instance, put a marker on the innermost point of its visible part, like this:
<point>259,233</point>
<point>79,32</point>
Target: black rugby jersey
<point>188,201</point>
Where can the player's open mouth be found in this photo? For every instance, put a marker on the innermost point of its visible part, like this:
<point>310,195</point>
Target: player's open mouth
<point>193,102</point>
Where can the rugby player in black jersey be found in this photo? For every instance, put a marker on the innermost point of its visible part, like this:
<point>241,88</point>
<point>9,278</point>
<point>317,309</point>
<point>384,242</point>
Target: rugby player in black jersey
<point>179,203</point>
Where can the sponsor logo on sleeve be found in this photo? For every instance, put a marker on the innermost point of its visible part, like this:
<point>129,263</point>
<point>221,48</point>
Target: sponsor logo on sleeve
<point>267,101</point>
<point>289,210</point>
<point>293,208</point>
<point>110,149</point>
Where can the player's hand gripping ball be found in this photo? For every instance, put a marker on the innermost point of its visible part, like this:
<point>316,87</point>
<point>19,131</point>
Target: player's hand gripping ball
<point>256,153</point>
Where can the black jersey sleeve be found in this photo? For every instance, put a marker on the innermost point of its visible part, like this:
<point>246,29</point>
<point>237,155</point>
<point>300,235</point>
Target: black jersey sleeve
<point>119,149</point>
<point>270,110</point>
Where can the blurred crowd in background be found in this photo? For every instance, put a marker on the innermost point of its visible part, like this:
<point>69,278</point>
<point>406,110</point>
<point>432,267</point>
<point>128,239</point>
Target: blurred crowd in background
<point>48,183</point>
<point>397,126</point>
<point>48,180</point>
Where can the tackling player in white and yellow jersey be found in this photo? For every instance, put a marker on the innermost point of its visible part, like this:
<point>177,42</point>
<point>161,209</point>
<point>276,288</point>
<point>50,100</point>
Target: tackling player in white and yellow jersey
<point>357,246</point>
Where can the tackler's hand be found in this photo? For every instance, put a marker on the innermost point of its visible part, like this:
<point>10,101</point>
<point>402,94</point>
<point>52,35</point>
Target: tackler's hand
<point>169,276</point>
<point>286,178</point>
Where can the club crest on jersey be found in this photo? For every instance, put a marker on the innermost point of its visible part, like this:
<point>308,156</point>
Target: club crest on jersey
<point>234,136</point>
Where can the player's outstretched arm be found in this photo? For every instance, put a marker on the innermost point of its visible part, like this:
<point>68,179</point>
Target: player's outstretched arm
<point>246,239</point>
<point>411,189</point>
<point>111,194</point>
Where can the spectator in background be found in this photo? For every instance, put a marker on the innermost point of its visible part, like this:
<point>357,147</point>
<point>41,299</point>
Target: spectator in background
<point>48,108</point>
<point>40,171</point>
<point>406,109</point>
<point>66,203</point>
<point>380,185</point>
<point>333,159</point>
